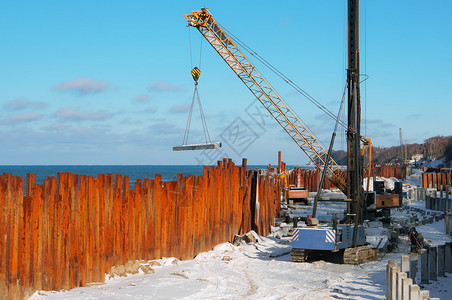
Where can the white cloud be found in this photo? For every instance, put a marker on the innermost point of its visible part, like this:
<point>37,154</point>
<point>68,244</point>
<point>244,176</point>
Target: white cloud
<point>141,99</point>
<point>20,118</point>
<point>57,127</point>
<point>150,109</point>
<point>20,104</point>
<point>164,87</point>
<point>183,108</point>
<point>82,86</point>
<point>71,113</point>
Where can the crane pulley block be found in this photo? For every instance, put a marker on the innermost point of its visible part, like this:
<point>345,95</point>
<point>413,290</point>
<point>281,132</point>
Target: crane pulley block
<point>195,73</point>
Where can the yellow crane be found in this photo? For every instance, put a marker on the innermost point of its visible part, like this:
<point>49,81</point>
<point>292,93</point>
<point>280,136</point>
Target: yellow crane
<point>250,76</point>
<point>348,238</point>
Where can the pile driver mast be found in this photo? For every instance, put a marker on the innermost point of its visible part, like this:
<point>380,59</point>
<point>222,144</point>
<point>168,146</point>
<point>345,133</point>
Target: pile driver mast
<point>355,191</point>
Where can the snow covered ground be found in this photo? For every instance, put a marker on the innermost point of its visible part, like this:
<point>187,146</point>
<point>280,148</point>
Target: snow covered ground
<point>263,270</point>
<point>247,271</point>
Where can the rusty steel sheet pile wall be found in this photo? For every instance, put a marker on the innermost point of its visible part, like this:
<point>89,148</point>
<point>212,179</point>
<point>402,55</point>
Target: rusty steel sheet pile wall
<point>309,178</point>
<point>436,180</point>
<point>72,229</point>
<point>388,170</point>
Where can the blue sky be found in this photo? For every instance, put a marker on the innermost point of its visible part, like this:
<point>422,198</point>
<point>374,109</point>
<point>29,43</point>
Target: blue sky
<point>108,82</point>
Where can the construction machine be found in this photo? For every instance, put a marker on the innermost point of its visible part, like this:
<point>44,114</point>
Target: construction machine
<point>294,193</point>
<point>350,236</point>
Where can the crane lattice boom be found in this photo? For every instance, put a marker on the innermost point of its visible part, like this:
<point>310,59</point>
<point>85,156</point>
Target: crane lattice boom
<point>220,41</point>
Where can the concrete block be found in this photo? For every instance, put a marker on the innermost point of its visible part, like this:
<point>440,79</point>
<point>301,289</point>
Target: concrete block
<point>414,292</point>
<point>441,260</point>
<point>405,263</point>
<point>392,263</point>
<point>406,282</point>
<point>393,275</point>
<point>399,286</point>
<point>433,263</point>
<point>448,257</point>
<point>424,267</point>
<point>448,223</point>
<point>423,295</point>
<point>414,258</point>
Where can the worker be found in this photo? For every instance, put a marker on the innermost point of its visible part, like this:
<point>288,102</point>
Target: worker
<point>413,237</point>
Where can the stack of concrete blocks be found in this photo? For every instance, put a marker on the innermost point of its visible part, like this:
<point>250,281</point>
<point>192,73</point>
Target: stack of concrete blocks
<point>420,194</point>
<point>399,285</point>
<point>435,261</point>
<point>433,202</point>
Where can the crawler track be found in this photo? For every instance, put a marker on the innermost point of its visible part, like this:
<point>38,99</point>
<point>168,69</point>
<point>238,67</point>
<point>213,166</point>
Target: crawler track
<point>359,255</point>
<point>298,255</point>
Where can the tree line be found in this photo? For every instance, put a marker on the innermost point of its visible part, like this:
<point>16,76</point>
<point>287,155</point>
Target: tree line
<point>432,149</point>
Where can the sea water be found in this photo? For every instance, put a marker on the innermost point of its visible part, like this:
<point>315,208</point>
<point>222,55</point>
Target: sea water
<point>168,172</point>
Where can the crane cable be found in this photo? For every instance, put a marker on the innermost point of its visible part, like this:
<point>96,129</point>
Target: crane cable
<point>284,77</point>
<point>292,84</point>
<point>195,72</point>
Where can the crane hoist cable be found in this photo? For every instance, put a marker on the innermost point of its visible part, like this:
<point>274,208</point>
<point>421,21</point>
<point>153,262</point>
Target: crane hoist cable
<point>191,55</point>
<point>290,82</point>
<point>195,72</point>
<point>283,77</point>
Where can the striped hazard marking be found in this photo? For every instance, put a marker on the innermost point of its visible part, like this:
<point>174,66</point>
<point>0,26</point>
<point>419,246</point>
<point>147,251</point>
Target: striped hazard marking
<point>330,236</point>
<point>195,73</point>
<point>296,234</point>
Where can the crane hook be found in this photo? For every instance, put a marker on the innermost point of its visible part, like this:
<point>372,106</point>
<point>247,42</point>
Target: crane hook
<point>195,73</point>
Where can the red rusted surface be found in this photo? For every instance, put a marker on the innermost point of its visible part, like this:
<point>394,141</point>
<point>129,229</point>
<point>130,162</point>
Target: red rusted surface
<point>73,228</point>
<point>436,180</point>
